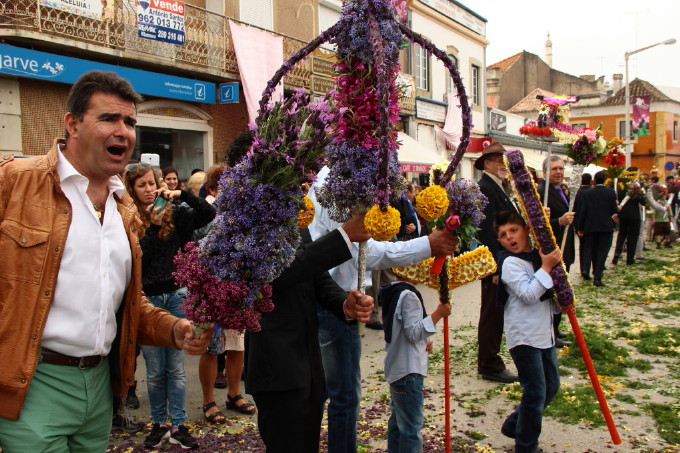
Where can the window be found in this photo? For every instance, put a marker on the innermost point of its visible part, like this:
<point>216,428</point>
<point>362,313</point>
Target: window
<point>675,130</point>
<point>474,89</point>
<point>450,88</point>
<point>578,126</point>
<point>622,131</point>
<point>422,69</point>
<point>257,12</point>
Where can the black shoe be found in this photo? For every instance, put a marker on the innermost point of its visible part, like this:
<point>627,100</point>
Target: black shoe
<point>598,283</point>
<point>615,260</point>
<point>131,400</point>
<point>504,376</point>
<point>560,334</point>
<point>127,424</point>
<point>585,276</point>
<point>158,434</point>
<point>561,343</point>
<point>375,325</point>
<point>183,438</point>
<point>507,433</point>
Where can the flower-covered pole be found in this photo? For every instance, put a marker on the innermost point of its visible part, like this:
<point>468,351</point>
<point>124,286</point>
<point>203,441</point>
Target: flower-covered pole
<point>543,234</point>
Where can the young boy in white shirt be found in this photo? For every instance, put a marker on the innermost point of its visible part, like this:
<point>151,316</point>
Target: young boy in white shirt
<point>526,295</point>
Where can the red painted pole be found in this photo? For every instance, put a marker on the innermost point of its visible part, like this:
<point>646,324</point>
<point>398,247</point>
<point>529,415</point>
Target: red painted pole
<point>593,376</point>
<point>447,388</point>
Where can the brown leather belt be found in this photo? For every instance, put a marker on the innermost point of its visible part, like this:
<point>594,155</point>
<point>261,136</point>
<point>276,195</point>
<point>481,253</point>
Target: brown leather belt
<point>55,358</point>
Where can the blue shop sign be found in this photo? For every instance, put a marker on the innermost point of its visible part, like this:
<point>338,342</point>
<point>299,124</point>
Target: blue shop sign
<point>45,66</point>
<point>228,93</point>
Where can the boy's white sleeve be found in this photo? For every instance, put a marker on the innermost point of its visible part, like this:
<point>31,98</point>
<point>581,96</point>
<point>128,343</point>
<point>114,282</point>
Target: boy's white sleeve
<point>411,313</point>
<point>522,282</point>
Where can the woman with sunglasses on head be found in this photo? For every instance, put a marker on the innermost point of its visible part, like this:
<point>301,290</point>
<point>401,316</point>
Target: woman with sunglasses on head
<point>165,228</point>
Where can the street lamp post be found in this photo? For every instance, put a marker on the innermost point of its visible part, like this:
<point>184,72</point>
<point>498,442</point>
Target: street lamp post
<point>629,147</point>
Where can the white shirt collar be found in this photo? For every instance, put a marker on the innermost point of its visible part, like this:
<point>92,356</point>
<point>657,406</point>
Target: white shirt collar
<point>66,170</point>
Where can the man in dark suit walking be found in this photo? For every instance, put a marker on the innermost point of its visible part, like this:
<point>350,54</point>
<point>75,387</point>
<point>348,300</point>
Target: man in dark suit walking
<point>630,221</point>
<point>596,225</point>
<point>560,219</point>
<point>493,184</point>
<point>284,370</point>
<point>583,258</point>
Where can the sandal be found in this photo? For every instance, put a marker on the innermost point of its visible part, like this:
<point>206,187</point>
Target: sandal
<point>245,408</point>
<point>217,417</point>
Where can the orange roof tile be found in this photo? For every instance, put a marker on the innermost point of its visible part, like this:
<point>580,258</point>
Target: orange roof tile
<point>530,103</point>
<point>503,65</point>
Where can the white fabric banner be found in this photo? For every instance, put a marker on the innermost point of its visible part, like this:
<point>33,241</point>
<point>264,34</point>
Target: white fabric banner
<point>449,137</point>
<point>259,55</point>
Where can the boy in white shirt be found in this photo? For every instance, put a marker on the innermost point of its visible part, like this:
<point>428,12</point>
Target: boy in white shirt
<point>526,296</point>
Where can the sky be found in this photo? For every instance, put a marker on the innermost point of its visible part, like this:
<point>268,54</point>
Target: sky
<point>588,36</point>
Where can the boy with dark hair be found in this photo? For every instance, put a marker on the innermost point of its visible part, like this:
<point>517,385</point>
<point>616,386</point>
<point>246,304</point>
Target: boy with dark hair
<point>407,332</point>
<point>526,295</point>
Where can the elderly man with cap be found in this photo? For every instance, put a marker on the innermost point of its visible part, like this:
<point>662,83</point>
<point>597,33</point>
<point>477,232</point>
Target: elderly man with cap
<point>490,328</point>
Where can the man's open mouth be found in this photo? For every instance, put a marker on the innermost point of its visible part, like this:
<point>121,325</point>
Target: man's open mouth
<point>116,150</point>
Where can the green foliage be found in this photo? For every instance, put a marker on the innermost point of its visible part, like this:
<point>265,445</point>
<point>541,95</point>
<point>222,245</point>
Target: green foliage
<point>666,418</point>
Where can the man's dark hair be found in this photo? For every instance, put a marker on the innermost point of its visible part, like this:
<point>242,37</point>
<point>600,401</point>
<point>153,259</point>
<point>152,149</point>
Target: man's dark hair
<point>98,81</point>
<point>586,178</point>
<point>195,170</point>
<point>632,168</point>
<point>505,218</point>
<point>600,177</point>
<point>654,179</point>
<point>239,147</point>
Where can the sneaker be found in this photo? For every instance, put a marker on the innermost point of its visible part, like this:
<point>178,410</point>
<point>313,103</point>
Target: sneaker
<point>158,434</point>
<point>183,438</point>
<point>127,424</point>
<point>375,325</point>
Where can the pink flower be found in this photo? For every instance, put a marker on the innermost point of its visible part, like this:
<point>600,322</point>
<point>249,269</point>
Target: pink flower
<point>452,222</point>
<point>400,8</point>
<point>591,135</point>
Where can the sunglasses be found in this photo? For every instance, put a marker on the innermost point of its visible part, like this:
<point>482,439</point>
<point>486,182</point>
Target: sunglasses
<point>134,167</point>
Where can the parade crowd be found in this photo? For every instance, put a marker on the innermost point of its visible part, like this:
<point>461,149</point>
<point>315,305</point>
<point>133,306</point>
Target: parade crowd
<point>91,239</point>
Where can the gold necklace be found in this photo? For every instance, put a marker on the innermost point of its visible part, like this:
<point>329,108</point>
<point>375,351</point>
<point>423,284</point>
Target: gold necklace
<point>98,211</point>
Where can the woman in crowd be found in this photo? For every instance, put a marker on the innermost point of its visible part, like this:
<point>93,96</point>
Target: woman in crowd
<point>165,228</point>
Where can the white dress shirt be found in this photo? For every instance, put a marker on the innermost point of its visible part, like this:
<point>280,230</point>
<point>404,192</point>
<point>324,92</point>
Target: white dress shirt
<point>94,272</point>
<point>527,319</point>
<point>380,254</point>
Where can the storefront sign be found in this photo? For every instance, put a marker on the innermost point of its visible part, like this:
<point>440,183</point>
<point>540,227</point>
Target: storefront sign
<point>228,93</point>
<point>322,85</point>
<point>428,110</point>
<point>95,9</point>
<point>161,20</point>
<point>459,14</point>
<point>22,62</point>
<point>415,168</point>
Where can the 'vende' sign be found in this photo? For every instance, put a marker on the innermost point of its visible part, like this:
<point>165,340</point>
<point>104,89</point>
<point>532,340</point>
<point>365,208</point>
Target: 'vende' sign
<point>161,20</point>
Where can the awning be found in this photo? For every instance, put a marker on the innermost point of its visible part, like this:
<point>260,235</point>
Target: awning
<point>415,157</point>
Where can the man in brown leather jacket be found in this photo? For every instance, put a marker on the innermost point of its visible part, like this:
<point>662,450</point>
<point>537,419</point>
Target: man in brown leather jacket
<point>71,305</point>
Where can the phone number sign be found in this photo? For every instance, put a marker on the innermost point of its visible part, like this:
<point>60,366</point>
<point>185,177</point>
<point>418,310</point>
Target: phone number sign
<point>161,20</point>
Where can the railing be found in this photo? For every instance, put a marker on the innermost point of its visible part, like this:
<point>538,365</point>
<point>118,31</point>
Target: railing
<point>208,45</point>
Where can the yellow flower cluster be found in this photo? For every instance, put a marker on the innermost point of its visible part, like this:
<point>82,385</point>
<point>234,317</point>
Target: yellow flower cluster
<point>382,225</point>
<point>463,269</point>
<point>432,202</point>
<point>441,166</point>
<point>306,215</point>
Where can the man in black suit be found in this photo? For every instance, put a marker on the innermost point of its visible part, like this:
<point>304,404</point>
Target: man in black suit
<point>630,222</point>
<point>284,370</point>
<point>560,219</point>
<point>596,225</point>
<point>410,226</point>
<point>583,258</point>
<point>493,184</point>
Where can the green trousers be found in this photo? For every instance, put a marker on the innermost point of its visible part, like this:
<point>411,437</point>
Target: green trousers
<point>67,410</point>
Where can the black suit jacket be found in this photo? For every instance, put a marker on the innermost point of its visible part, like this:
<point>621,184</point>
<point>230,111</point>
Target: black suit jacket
<point>498,201</point>
<point>599,205</point>
<point>631,210</point>
<point>578,202</point>
<point>558,207</point>
<point>285,354</point>
<point>407,217</point>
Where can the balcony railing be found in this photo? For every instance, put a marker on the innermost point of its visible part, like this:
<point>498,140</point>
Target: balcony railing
<point>208,47</point>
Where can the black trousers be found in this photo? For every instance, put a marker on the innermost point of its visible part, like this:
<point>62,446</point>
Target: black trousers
<point>290,421</point>
<point>597,245</point>
<point>629,231</point>
<point>489,331</point>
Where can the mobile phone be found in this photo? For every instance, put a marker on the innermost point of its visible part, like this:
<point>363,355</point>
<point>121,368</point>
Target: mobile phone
<point>159,202</point>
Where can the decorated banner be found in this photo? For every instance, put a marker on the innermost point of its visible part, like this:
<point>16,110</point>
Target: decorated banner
<point>640,115</point>
<point>95,9</point>
<point>161,20</point>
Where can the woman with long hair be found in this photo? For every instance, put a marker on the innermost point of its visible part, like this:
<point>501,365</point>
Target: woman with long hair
<point>165,228</point>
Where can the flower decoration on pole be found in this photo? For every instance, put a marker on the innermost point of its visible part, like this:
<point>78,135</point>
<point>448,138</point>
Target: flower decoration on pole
<point>255,233</point>
<point>544,237</point>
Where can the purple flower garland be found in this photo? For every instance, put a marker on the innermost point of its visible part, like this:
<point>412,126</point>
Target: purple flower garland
<point>539,224</point>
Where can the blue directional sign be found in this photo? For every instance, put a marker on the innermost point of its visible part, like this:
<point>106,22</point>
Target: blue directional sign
<point>228,93</point>
<point>22,62</point>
